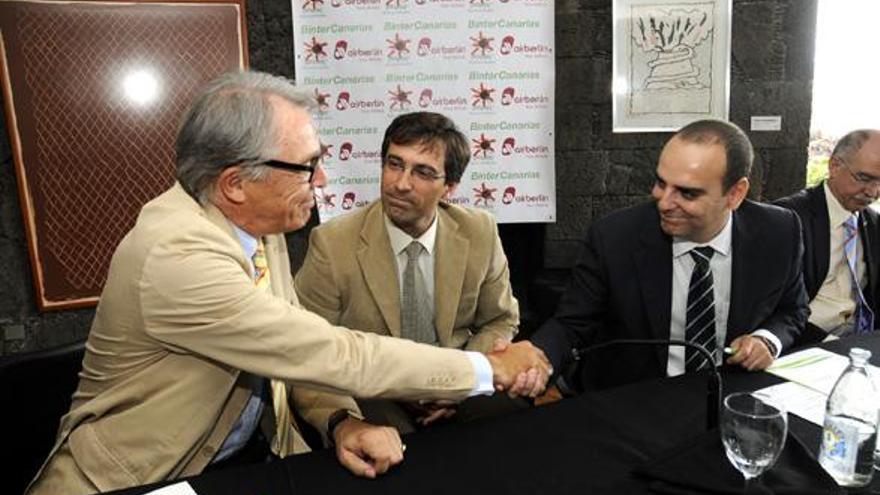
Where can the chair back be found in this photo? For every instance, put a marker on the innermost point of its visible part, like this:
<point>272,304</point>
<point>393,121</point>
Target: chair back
<point>36,390</point>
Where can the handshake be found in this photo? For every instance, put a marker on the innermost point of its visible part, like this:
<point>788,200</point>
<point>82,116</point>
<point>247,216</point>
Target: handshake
<point>520,369</point>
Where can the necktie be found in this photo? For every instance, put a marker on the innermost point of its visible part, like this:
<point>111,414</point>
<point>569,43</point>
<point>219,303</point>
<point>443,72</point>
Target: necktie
<point>416,322</point>
<point>863,317</point>
<point>283,417</point>
<point>700,326</point>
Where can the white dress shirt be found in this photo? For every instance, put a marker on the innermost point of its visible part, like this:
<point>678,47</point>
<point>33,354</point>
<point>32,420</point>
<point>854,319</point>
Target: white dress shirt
<point>834,304</point>
<point>721,265</point>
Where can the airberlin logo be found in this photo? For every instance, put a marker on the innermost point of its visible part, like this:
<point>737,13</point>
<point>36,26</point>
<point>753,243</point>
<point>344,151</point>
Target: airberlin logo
<point>347,152</point>
<point>510,46</point>
<point>509,147</point>
<point>427,99</point>
<point>510,97</point>
<point>358,4</point>
<point>509,197</point>
<point>342,50</point>
<point>344,101</point>
<point>427,48</point>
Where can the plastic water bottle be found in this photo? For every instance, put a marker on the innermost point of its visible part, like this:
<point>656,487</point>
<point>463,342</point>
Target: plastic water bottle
<point>850,432</point>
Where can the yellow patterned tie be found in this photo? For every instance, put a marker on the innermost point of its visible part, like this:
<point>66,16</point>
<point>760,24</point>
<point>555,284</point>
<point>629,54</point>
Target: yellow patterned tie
<point>279,389</point>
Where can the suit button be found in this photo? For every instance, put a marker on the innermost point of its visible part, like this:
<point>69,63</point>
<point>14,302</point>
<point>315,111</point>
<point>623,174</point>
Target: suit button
<point>208,451</point>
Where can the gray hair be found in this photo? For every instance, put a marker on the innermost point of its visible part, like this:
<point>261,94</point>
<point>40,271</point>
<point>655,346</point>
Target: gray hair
<point>851,143</point>
<point>230,123</point>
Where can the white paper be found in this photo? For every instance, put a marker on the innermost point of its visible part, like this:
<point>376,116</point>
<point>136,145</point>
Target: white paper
<point>796,399</point>
<point>816,368</point>
<point>182,488</point>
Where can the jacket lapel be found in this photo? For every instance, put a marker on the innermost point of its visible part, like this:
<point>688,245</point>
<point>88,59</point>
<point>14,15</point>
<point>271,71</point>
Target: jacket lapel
<point>653,259</point>
<point>379,267</point>
<point>820,229</point>
<point>450,249</point>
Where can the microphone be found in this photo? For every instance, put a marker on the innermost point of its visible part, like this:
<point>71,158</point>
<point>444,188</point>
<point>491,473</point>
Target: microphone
<point>713,391</point>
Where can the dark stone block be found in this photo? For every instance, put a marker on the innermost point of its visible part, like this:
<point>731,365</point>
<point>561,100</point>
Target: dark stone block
<point>758,41</point>
<point>573,127</point>
<point>581,173</point>
<point>790,100</point>
<point>786,172</point>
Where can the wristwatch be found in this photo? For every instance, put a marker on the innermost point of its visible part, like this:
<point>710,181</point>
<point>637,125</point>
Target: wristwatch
<point>337,417</point>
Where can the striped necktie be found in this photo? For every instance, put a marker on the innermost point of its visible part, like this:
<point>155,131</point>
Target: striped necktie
<point>283,416</point>
<point>700,326</point>
<point>863,317</point>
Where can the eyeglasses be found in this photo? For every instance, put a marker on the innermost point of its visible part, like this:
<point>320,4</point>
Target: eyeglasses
<point>421,172</point>
<point>862,178</point>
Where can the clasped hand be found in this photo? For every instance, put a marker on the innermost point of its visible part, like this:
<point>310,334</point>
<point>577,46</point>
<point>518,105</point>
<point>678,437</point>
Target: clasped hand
<point>519,369</point>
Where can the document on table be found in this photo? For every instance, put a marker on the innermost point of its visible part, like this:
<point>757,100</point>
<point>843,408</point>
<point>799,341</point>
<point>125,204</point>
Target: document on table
<point>182,488</point>
<point>811,375</point>
<point>816,368</point>
<point>796,399</point>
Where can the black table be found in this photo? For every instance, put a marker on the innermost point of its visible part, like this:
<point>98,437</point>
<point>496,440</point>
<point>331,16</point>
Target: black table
<point>584,445</point>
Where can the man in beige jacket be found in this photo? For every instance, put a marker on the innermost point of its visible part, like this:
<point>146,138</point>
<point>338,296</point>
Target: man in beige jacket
<point>199,312</point>
<point>355,271</point>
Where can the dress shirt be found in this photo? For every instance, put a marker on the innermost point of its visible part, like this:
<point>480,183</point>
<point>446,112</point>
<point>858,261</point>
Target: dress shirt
<point>721,265</point>
<point>834,305</point>
<point>399,241</point>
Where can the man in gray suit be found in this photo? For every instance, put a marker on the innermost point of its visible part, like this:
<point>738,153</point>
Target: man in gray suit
<point>198,338</point>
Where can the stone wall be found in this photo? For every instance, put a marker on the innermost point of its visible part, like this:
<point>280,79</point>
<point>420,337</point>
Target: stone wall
<point>597,171</point>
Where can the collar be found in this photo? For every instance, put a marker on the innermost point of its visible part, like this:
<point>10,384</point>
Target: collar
<point>400,239</point>
<point>837,214</point>
<point>248,242</point>
<point>720,243</point>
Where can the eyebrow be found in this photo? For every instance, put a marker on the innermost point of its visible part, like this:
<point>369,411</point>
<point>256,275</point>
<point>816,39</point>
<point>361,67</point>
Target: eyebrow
<point>690,190</point>
<point>414,165</point>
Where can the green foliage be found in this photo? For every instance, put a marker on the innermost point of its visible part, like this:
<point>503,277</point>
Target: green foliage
<point>817,170</point>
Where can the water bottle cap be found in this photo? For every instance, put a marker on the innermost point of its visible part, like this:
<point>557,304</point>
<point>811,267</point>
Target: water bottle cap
<point>859,354</point>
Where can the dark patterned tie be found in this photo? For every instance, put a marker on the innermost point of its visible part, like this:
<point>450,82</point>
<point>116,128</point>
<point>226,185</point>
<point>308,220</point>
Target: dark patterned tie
<point>700,326</point>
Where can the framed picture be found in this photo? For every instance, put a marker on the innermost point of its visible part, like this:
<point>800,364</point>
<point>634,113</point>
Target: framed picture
<point>93,93</point>
<point>671,63</point>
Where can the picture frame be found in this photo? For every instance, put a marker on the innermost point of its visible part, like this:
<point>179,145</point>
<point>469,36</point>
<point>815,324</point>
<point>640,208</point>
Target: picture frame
<point>671,63</point>
<point>93,93</point>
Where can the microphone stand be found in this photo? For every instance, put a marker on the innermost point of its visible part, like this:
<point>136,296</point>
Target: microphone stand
<point>713,391</point>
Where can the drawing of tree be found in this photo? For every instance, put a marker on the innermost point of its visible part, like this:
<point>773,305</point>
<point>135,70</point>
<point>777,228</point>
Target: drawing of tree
<point>672,34</point>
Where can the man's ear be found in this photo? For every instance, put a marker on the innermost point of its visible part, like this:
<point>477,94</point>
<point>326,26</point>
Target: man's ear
<point>737,193</point>
<point>230,186</point>
<point>450,188</point>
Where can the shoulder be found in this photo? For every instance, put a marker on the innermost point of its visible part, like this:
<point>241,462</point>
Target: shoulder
<point>766,219</point>
<point>345,226</point>
<point>467,218</point>
<point>803,200</point>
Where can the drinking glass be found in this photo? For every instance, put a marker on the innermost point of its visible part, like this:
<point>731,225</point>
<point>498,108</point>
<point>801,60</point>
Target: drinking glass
<point>753,432</point>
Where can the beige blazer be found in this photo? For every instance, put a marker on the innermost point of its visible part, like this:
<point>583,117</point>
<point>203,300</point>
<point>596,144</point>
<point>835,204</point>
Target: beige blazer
<point>178,322</point>
<point>350,277</point>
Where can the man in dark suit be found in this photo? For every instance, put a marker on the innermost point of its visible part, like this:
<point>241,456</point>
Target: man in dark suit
<point>698,263</point>
<point>841,237</point>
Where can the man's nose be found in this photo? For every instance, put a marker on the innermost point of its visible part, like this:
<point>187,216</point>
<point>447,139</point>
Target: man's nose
<point>320,179</point>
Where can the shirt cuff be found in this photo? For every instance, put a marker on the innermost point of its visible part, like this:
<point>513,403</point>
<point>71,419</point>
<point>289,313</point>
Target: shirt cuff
<point>767,334</point>
<point>483,374</point>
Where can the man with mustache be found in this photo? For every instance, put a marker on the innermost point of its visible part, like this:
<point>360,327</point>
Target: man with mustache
<point>841,235</point>
<point>413,266</point>
<point>700,263</point>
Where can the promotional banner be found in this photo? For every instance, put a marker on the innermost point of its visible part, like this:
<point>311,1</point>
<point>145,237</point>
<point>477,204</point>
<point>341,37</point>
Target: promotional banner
<point>486,64</point>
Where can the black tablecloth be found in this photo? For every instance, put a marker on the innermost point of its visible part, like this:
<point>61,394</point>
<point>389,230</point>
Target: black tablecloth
<point>584,445</point>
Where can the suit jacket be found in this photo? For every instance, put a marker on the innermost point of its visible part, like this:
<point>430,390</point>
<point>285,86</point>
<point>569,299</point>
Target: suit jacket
<point>350,277</point>
<point>621,287</point>
<point>178,323</point>
<point>812,208</point>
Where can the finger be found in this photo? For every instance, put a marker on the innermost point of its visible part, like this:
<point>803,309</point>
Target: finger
<point>517,387</point>
<point>540,385</point>
<point>531,380</point>
<point>354,463</point>
<point>430,418</point>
